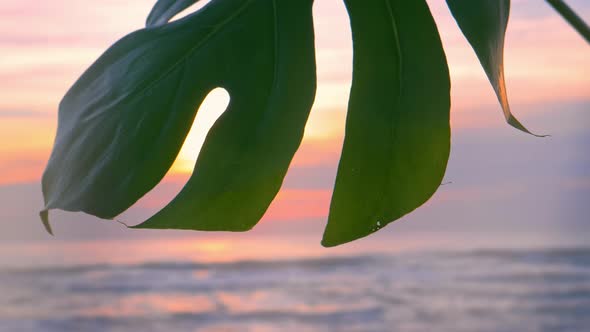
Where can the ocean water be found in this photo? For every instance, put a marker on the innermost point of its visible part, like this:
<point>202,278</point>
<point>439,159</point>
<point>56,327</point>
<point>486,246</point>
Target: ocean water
<point>491,290</point>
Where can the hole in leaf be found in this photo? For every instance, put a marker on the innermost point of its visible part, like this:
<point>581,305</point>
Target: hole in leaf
<point>210,110</point>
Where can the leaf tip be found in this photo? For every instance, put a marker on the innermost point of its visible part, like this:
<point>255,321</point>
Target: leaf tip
<point>44,215</point>
<point>333,238</point>
<point>513,121</point>
<point>328,243</point>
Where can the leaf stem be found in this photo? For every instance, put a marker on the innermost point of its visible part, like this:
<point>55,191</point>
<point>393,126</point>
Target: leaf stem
<point>571,17</point>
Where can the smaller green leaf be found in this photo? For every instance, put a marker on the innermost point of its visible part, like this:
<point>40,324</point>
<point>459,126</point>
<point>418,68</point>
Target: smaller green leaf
<point>484,23</point>
<point>397,139</point>
<point>164,10</point>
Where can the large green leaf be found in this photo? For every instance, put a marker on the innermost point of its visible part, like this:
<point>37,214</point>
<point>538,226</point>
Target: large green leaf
<point>397,130</point>
<point>165,10</point>
<point>484,23</point>
<point>122,124</point>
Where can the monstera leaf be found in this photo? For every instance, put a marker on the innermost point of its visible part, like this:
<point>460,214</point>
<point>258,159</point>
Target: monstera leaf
<point>484,23</point>
<point>123,122</point>
<point>397,129</point>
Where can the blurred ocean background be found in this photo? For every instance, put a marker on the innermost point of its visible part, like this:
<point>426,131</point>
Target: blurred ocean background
<point>486,290</point>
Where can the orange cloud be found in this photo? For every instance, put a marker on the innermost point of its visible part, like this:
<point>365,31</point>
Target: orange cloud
<point>20,169</point>
<point>291,205</point>
<point>318,153</point>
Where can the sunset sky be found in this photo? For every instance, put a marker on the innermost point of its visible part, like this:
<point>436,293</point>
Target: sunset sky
<point>507,188</point>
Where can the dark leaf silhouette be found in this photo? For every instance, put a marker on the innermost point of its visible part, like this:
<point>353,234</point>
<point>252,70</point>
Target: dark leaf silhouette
<point>484,23</point>
<point>122,124</point>
<point>397,130</point>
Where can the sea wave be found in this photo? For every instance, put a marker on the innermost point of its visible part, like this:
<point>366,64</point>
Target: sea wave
<point>485,290</point>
